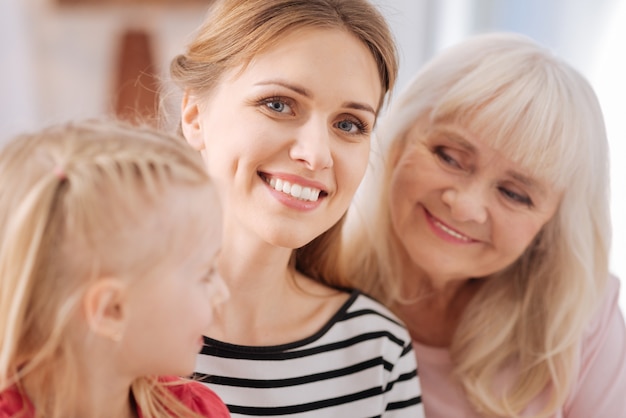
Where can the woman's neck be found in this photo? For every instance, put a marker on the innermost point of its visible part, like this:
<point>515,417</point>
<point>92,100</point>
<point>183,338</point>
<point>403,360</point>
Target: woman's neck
<point>254,264</point>
<point>270,302</point>
<point>434,307</point>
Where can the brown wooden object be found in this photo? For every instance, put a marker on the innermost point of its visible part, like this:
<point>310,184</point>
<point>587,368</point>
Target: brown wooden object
<point>136,89</point>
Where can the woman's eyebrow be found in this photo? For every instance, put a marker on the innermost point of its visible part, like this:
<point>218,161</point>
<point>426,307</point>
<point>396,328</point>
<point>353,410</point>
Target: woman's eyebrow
<point>527,181</point>
<point>298,89</point>
<point>359,106</point>
<point>456,138</point>
<point>308,94</point>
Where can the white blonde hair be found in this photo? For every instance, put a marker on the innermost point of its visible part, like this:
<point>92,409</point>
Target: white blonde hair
<point>541,113</point>
<point>72,203</point>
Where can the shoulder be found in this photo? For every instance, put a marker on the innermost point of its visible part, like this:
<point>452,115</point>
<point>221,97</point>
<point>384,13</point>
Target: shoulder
<point>601,379</point>
<point>12,402</point>
<point>366,305</point>
<point>197,397</point>
<point>371,316</point>
<point>608,310</point>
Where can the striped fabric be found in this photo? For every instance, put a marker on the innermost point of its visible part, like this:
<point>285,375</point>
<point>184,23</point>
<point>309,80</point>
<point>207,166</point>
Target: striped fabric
<point>361,364</point>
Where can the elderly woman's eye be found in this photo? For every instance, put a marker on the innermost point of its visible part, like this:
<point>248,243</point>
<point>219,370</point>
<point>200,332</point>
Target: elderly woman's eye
<point>446,158</point>
<point>516,197</point>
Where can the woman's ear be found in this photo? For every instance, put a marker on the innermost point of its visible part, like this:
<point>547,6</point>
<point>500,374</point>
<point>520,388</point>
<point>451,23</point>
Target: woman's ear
<point>105,308</point>
<point>190,122</point>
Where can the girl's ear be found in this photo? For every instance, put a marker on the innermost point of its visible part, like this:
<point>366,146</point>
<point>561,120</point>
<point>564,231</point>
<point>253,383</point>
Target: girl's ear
<point>190,121</point>
<point>105,308</point>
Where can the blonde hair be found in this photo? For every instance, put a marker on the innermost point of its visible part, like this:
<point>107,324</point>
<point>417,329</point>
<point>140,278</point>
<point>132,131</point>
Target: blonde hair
<point>542,114</point>
<point>71,202</point>
<point>236,31</point>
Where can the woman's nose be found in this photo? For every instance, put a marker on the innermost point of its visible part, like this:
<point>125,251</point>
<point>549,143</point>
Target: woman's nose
<point>312,145</point>
<point>467,203</point>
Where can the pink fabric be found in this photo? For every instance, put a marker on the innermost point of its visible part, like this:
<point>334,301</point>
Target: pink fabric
<point>12,402</point>
<point>598,392</point>
<point>196,396</point>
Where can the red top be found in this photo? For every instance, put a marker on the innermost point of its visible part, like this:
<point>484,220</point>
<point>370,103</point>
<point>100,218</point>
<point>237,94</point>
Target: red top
<point>194,395</point>
<point>12,402</point>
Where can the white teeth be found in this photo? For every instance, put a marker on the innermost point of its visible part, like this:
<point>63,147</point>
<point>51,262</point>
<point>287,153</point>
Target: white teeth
<point>451,232</point>
<point>294,190</point>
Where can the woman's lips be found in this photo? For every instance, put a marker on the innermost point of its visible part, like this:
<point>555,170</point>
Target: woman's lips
<point>445,231</point>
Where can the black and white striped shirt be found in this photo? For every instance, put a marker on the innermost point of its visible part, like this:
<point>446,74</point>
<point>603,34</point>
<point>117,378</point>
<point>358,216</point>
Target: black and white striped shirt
<point>360,364</point>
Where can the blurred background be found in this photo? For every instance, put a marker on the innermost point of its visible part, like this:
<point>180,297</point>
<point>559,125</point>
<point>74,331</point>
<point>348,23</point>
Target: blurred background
<point>68,59</point>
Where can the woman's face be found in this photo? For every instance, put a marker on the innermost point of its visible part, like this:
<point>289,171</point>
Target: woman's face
<point>460,208</point>
<point>287,140</point>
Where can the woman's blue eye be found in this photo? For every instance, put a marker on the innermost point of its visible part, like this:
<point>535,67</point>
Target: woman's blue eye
<point>345,125</point>
<point>279,105</point>
<point>516,197</point>
<point>276,106</point>
<point>352,126</point>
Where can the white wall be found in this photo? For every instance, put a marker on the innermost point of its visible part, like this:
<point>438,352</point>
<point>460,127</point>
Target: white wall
<point>61,60</point>
<point>408,18</point>
<point>18,95</point>
<point>608,74</point>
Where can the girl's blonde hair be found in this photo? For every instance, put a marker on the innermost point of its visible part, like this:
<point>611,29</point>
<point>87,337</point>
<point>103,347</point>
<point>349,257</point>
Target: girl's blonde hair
<point>236,31</point>
<point>73,200</point>
<point>542,114</point>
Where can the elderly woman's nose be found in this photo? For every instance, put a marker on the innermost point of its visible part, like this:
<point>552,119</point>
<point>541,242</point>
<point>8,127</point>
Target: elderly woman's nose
<point>467,203</point>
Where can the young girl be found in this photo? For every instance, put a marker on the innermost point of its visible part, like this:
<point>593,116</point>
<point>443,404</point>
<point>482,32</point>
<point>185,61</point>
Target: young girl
<point>281,97</point>
<point>105,274</point>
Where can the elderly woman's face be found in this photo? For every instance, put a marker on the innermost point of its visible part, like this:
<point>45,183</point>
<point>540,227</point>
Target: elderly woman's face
<point>460,208</point>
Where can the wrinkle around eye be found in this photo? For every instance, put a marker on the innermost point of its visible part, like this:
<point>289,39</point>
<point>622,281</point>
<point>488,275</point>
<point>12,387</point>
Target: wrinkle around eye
<point>516,198</point>
<point>446,158</point>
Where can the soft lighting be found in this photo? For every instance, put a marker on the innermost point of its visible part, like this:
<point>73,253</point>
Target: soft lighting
<point>609,80</point>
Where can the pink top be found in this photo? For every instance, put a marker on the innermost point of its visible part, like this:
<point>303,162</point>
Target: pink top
<point>599,390</point>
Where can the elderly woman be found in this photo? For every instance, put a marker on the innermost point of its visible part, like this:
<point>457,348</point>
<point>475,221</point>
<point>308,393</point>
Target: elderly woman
<point>492,236</point>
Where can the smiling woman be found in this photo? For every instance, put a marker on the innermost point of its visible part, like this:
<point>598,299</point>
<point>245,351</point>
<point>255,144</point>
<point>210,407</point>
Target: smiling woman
<point>492,234</point>
<point>467,193</point>
<point>280,100</point>
<point>302,130</point>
